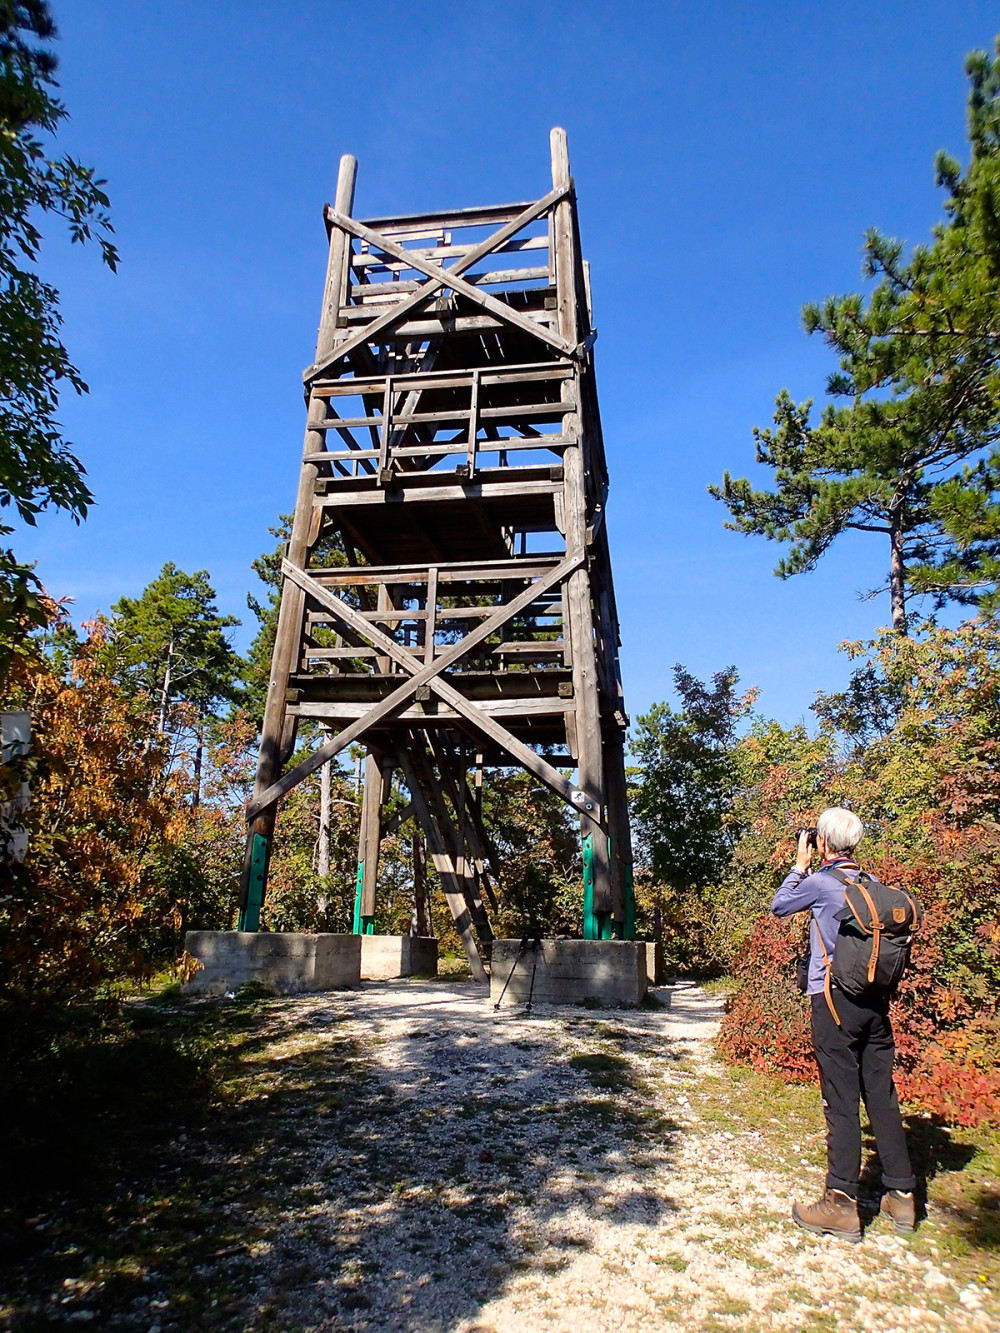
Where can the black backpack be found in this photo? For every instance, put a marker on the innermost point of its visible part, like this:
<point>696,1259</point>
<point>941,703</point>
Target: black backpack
<point>876,928</point>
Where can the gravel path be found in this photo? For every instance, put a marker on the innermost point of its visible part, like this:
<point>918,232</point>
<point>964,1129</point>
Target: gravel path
<point>404,1159</point>
<point>564,1170</point>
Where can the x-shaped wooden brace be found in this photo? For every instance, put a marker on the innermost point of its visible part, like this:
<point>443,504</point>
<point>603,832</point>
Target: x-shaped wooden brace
<point>440,277</point>
<point>429,674</point>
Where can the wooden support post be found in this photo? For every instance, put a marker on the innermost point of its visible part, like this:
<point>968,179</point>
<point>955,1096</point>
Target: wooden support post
<point>274,740</point>
<point>450,832</point>
<point>598,904</point>
<point>473,424</point>
<point>323,842</point>
<point>421,921</point>
<point>442,864</point>
<point>430,624</point>
<point>369,841</point>
<point>620,837</point>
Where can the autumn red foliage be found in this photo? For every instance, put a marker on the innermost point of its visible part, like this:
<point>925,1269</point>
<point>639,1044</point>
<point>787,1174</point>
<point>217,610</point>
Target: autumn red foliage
<point>928,789</point>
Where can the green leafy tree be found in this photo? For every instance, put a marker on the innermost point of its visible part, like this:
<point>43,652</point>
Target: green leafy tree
<point>171,643</point>
<point>37,468</point>
<point>686,779</point>
<point>913,453</point>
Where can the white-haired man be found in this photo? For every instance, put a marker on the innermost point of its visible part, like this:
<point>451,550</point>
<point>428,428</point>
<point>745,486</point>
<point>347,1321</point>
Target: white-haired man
<point>854,1055</point>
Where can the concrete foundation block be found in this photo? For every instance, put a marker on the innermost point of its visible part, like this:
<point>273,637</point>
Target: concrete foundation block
<point>656,972</point>
<point>384,956</point>
<point>606,972</point>
<point>287,963</point>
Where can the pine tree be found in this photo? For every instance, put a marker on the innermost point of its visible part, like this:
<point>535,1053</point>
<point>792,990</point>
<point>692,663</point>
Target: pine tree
<point>170,642</point>
<point>913,456</point>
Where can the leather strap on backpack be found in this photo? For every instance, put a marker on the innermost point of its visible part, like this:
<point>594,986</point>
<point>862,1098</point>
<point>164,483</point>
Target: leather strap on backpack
<point>876,928</point>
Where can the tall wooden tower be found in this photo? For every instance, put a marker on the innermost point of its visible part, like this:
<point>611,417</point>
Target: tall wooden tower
<point>453,441</point>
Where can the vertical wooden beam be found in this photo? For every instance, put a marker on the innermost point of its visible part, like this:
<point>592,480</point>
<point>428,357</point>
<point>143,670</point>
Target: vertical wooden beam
<point>323,843</point>
<point>450,832</point>
<point>430,606</point>
<point>473,445</point>
<point>277,740</point>
<point>369,841</point>
<point>442,864</point>
<point>598,897</point>
<point>338,269</point>
<point>421,899</point>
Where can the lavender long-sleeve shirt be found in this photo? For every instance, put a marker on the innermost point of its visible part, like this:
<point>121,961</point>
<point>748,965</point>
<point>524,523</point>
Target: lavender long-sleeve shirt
<point>823,895</point>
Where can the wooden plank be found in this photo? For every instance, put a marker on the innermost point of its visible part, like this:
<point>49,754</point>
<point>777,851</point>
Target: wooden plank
<point>513,709</point>
<point>455,571</point>
<point>578,593</point>
<point>524,372</point>
<point>450,278</point>
<point>516,246</point>
<point>481,215</point>
<point>483,488</point>
<point>436,449</point>
<point>390,290</point>
<point>467,261</point>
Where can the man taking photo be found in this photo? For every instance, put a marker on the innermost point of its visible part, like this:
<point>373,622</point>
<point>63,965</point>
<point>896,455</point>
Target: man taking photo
<point>852,1040</point>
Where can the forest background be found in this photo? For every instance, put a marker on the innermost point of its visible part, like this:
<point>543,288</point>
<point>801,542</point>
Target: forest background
<point>145,719</point>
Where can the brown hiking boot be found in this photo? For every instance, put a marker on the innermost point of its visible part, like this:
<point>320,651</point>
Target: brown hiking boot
<point>835,1214</point>
<point>902,1208</point>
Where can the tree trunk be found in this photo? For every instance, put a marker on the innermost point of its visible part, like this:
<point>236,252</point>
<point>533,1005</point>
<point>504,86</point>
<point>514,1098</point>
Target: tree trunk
<point>323,851</point>
<point>897,571</point>
<point>199,755</point>
<point>161,725</point>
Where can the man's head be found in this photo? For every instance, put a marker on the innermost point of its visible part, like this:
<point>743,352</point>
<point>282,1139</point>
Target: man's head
<point>840,829</point>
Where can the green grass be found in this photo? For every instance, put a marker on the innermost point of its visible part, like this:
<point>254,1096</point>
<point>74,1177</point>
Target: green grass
<point>959,1167</point>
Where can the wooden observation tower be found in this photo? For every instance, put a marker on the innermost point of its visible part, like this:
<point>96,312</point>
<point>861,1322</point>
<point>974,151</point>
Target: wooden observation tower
<point>453,441</point>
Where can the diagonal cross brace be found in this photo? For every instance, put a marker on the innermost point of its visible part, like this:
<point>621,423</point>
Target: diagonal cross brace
<point>393,316</point>
<point>428,674</point>
<point>452,280</point>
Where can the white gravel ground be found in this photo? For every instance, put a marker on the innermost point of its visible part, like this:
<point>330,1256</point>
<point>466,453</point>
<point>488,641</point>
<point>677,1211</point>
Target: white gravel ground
<point>560,1171</point>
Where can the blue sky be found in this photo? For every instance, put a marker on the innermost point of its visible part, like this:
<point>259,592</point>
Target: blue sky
<point>728,160</point>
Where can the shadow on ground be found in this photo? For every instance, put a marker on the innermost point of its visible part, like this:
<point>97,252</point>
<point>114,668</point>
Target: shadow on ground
<point>309,1174</point>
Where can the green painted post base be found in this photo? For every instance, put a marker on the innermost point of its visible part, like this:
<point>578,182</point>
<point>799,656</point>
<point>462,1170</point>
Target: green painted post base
<point>358,919</point>
<point>596,925</point>
<point>250,913</point>
<point>629,902</point>
<point>590,927</point>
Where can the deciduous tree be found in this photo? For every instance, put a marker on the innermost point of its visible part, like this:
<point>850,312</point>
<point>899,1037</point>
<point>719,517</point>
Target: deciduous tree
<point>38,470</point>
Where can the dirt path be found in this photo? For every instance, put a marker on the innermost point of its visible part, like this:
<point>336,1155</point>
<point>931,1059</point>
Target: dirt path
<point>570,1170</point>
<point>404,1159</point>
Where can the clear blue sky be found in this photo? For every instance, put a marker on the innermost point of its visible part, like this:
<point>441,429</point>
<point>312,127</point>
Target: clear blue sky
<point>728,159</point>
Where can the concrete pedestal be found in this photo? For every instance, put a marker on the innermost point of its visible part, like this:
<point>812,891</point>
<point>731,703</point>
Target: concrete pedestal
<point>605,972</point>
<point>287,963</point>
<point>656,972</point>
<point>384,956</point>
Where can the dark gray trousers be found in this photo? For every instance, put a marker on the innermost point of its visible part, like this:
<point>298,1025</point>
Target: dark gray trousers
<point>855,1065</point>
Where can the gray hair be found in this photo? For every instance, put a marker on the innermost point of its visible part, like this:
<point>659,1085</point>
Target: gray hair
<point>842,829</point>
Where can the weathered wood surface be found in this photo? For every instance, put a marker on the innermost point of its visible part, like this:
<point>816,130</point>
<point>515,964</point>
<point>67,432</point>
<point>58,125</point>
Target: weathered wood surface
<point>476,612</point>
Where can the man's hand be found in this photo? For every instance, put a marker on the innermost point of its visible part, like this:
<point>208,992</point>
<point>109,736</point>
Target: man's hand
<point>803,857</point>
